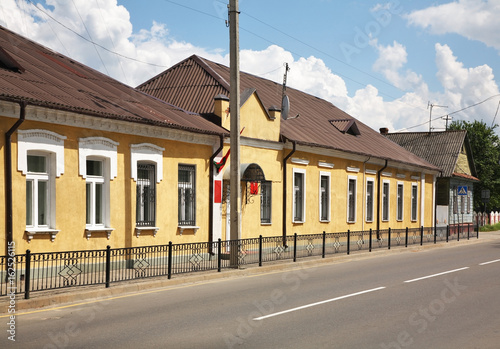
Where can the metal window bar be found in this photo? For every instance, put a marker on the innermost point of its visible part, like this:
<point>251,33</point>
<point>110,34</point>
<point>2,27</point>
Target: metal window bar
<point>265,202</point>
<point>146,195</point>
<point>187,195</point>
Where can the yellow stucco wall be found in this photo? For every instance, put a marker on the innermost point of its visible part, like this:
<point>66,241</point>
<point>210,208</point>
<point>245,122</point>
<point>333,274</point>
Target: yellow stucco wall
<point>71,204</point>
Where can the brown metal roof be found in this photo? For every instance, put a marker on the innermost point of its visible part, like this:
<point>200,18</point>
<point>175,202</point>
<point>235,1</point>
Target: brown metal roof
<point>193,83</point>
<point>33,73</point>
<point>439,148</point>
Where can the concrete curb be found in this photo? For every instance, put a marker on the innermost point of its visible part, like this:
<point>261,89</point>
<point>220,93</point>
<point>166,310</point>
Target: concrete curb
<point>60,297</point>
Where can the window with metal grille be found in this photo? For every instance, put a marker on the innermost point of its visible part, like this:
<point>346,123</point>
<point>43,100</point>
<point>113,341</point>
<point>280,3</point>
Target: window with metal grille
<point>187,195</point>
<point>265,202</point>
<point>146,195</point>
<point>400,202</point>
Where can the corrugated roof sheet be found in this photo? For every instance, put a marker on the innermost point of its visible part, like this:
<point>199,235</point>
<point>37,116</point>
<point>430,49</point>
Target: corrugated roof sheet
<point>49,79</point>
<point>193,83</point>
<point>439,148</point>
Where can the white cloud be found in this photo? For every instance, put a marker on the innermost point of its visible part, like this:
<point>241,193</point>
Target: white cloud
<point>473,19</point>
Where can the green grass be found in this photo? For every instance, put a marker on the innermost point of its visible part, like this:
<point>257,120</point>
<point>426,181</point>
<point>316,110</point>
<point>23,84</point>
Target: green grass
<point>490,227</point>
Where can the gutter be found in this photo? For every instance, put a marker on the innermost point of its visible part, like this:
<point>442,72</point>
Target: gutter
<point>211,195</point>
<point>294,144</point>
<point>9,240</point>
<point>379,172</point>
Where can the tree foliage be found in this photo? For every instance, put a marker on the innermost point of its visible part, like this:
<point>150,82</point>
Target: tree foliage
<point>485,145</point>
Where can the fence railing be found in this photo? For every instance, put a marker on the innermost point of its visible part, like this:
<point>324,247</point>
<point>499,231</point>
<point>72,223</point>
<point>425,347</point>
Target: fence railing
<point>31,272</point>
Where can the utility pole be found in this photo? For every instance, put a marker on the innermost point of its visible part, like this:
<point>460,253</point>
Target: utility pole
<point>234,109</point>
<point>430,105</point>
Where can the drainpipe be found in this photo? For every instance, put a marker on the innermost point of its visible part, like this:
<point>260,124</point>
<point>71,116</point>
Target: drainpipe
<point>211,195</point>
<point>8,176</point>
<point>294,144</point>
<point>378,198</point>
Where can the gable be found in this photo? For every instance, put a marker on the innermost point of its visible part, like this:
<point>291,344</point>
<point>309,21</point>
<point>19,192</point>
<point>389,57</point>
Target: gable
<point>256,120</point>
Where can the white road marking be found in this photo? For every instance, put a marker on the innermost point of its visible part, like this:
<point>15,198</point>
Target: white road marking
<point>496,260</point>
<point>438,274</point>
<point>318,303</point>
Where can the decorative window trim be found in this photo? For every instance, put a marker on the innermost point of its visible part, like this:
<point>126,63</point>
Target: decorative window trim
<point>300,161</point>
<point>89,231</point>
<point>402,185</point>
<point>187,227</point>
<point>373,199</point>
<point>303,172</point>
<point>355,203</point>
<point>416,178</point>
<point>97,147</point>
<point>325,164</point>
<point>32,232</point>
<point>40,140</point>
<point>414,218</point>
<point>139,230</point>
<point>352,169</point>
<point>146,152</point>
<point>388,218</point>
<point>387,174</point>
<point>400,175</point>
<point>371,172</point>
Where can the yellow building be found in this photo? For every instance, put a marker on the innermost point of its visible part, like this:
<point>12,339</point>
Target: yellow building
<point>90,162</point>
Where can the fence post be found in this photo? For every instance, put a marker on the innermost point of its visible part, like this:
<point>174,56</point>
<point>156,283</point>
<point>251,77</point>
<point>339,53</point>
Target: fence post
<point>169,259</point>
<point>108,264</point>
<point>406,237</point>
<point>28,275</point>
<point>370,249</point>
<point>260,250</point>
<point>389,239</point>
<point>477,234</point>
<point>447,232</point>
<point>295,247</point>
<point>421,235</point>
<point>348,241</point>
<point>458,232</point>
<point>219,254</point>
<point>435,233</point>
<point>468,231</point>
<point>324,244</point>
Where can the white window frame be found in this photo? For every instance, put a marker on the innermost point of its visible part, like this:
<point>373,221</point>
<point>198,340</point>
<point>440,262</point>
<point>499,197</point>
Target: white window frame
<point>414,202</point>
<point>181,201</point>
<point>303,218</point>
<point>49,144</point>
<point>33,179</point>
<point>400,201</point>
<point>355,194</point>
<point>104,149</point>
<point>328,197</point>
<point>386,199</point>
<point>370,204</point>
<point>93,181</point>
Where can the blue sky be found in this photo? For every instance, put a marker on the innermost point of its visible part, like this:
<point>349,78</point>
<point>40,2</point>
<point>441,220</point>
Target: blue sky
<point>383,62</point>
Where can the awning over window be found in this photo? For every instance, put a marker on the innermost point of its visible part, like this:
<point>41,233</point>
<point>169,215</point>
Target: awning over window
<point>251,172</point>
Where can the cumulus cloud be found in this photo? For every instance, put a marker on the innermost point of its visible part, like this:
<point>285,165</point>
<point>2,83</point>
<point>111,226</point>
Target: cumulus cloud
<point>473,19</point>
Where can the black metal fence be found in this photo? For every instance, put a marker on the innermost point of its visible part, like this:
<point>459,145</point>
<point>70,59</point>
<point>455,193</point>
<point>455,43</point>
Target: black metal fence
<point>30,272</point>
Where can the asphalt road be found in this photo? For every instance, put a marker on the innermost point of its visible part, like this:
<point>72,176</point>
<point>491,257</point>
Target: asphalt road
<point>445,297</point>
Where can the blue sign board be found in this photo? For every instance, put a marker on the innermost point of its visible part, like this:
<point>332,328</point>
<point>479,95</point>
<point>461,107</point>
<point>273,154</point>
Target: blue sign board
<point>462,190</point>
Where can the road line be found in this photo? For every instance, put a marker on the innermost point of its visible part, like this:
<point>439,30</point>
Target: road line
<point>496,260</point>
<point>438,274</point>
<point>317,303</point>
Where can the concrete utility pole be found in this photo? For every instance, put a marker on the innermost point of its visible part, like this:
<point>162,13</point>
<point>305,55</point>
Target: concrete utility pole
<point>234,109</point>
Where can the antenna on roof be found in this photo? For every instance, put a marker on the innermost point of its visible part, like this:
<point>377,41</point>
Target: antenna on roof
<point>431,105</point>
<point>285,101</point>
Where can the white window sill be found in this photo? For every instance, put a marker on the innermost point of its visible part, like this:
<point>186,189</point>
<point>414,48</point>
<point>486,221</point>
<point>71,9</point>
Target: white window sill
<point>188,227</point>
<point>266,223</point>
<point>91,230</point>
<point>32,232</point>
<point>139,230</point>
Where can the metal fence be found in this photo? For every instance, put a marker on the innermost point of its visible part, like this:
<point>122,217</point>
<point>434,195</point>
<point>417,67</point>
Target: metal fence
<point>30,272</point>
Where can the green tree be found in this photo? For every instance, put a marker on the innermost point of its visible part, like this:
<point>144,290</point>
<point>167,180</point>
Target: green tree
<point>485,145</point>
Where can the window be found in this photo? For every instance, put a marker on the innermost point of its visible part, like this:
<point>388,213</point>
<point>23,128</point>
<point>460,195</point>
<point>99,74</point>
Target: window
<point>146,195</point>
<point>369,200</point>
<point>298,196</point>
<point>37,192</point>
<point>414,200</point>
<point>351,200</point>
<point>400,199</point>
<point>187,195</point>
<point>98,165</point>
<point>95,192</point>
<point>385,201</point>
<point>324,193</point>
<point>40,156</point>
<point>265,202</point>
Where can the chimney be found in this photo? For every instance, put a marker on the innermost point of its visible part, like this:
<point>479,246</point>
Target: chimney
<point>274,112</point>
<point>221,109</point>
<point>384,131</point>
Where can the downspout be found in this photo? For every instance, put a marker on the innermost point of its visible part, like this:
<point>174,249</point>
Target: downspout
<point>8,177</point>
<point>378,198</point>
<point>294,144</point>
<point>211,195</point>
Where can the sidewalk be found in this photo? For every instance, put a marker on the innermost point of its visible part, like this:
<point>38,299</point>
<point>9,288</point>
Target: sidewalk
<point>59,297</point>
